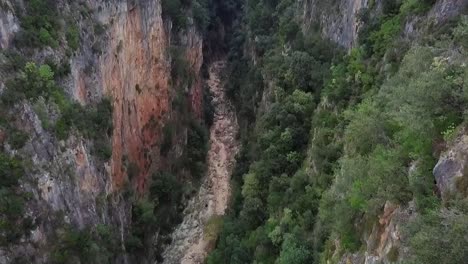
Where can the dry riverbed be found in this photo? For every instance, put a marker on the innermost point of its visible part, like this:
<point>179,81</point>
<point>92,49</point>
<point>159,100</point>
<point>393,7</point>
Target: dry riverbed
<point>193,239</point>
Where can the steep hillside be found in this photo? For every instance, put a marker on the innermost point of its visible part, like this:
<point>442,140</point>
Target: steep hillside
<point>353,121</point>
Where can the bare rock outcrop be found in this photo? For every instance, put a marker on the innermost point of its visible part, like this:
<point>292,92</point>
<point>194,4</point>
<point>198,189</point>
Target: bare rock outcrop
<point>385,241</point>
<point>9,23</point>
<point>451,171</point>
<point>340,22</point>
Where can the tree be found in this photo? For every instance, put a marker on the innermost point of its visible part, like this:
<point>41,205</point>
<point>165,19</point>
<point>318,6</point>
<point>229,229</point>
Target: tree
<point>292,253</point>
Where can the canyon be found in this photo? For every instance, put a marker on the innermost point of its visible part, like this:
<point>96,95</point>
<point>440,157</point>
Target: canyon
<point>229,131</point>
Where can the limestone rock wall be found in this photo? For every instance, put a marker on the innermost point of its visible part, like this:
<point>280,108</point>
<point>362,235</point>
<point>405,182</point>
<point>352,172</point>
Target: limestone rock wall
<point>451,170</point>
<point>135,74</point>
<point>339,20</point>
<point>129,62</point>
<point>8,23</point>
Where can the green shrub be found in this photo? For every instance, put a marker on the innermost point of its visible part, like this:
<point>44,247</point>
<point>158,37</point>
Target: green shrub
<point>174,9</point>
<point>165,188</point>
<point>385,36</point>
<point>390,7</point>
<point>99,29</point>
<point>144,223</point>
<point>368,128</point>
<point>288,28</point>
<point>293,253</point>
<point>212,228</point>
<point>93,122</point>
<point>40,24</point>
<point>102,149</point>
<point>460,32</point>
<point>133,171</point>
<point>416,6</point>
<point>439,237</point>
<point>33,82</point>
<point>196,149</point>
<point>180,70</point>
<point>60,69</point>
<point>208,108</point>
<point>17,138</point>
<point>11,170</point>
<point>13,223</point>
<point>73,37</point>
<point>86,246</point>
<point>14,61</point>
<point>168,134</point>
<point>201,14</point>
<point>393,254</point>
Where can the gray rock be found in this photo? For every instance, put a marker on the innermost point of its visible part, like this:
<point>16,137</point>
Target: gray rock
<point>450,170</point>
<point>9,23</point>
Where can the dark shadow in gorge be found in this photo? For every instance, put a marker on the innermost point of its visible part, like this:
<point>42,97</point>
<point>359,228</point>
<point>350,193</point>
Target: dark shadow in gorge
<point>225,15</point>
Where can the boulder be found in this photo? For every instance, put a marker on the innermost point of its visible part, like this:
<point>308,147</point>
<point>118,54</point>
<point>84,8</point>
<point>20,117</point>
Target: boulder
<point>451,170</point>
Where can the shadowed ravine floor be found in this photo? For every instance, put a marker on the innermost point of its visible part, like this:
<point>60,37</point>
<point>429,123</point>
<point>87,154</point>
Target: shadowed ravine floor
<point>191,241</point>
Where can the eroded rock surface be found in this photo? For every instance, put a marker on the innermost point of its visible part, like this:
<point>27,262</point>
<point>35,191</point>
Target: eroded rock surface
<point>340,20</point>
<point>385,241</point>
<point>136,72</point>
<point>451,171</point>
<point>9,23</point>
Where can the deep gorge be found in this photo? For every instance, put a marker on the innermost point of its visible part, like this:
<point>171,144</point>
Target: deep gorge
<point>240,131</point>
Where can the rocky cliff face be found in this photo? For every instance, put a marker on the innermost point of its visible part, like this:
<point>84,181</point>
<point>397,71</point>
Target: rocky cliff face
<point>385,240</point>
<point>8,23</point>
<point>340,20</point>
<point>124,54</point>
<point>135,73</point>
<point>450,171</point>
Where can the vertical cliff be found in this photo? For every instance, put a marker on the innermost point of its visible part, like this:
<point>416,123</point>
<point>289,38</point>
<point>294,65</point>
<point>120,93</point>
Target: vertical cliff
<point>135,73</point>
<point>341,21</point>
<point>338,20</point>
<point>79,189</point>
<point>8,25</point>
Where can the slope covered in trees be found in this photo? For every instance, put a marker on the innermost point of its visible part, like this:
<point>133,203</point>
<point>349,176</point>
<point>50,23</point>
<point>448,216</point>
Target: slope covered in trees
<point>104,122</point>
<point>338,135</point>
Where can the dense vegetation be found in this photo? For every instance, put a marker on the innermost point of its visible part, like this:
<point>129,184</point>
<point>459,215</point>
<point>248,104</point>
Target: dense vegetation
<point>177,10</point>
<point>341,135</point>
<point>12,223</point>
<point>90,246</point>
